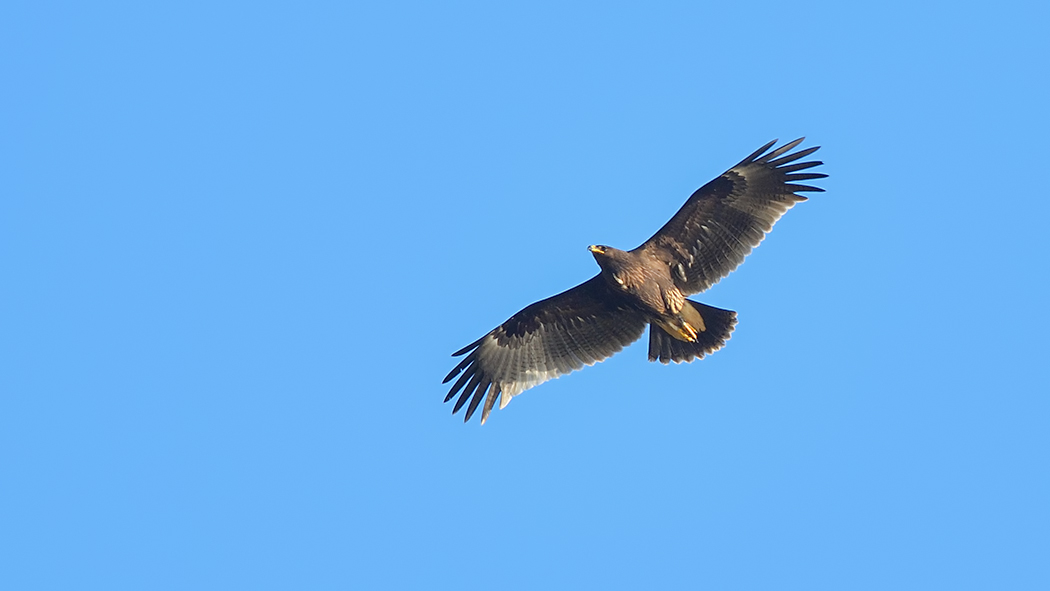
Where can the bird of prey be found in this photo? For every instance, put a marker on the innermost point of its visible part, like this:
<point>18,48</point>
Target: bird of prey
<point>710,235</point>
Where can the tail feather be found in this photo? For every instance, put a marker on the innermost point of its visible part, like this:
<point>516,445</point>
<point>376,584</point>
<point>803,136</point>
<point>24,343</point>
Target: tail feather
<point>719,324</point>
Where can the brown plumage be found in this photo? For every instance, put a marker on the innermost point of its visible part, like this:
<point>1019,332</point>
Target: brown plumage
<point>710,235</point>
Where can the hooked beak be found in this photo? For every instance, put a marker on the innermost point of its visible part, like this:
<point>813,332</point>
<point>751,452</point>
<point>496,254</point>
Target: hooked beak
<point>596,249</point>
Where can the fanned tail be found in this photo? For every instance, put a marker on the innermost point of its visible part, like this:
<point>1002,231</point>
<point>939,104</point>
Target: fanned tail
<point>719,324</point>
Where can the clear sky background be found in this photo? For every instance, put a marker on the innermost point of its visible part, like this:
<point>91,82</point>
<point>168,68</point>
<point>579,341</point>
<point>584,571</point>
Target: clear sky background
<point>239,241</point>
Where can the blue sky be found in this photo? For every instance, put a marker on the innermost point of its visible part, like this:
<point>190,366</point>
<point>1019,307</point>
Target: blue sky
<point>239,242</point>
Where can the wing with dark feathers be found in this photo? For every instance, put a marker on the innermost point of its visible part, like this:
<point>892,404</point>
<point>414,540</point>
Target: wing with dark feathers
<point>728,217</point>
<point>550,338</point>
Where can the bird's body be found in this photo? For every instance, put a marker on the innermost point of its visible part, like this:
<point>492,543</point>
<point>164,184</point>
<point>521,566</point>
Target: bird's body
<point>643,281</point>
<point>647,286</point>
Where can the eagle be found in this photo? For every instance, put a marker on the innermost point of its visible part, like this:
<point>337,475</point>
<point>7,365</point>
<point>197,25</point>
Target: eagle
<point>710,235</point>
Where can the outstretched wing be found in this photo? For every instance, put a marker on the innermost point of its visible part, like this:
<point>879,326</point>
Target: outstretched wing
<point>728,217</point>
<point>552,337</point>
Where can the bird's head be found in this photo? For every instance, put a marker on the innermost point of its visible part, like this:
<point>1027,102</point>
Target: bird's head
<point>608,256</point>
<point>613,261</point>
<point>601,253</point>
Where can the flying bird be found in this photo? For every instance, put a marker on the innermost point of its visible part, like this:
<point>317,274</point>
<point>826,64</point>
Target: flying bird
<point>710,235</point>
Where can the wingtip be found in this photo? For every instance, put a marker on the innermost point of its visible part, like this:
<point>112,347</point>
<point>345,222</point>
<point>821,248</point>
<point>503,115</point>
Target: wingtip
<point>769,158</point>
<point>468,348</point>
<point>489,401</point>
<point>757,153</point>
